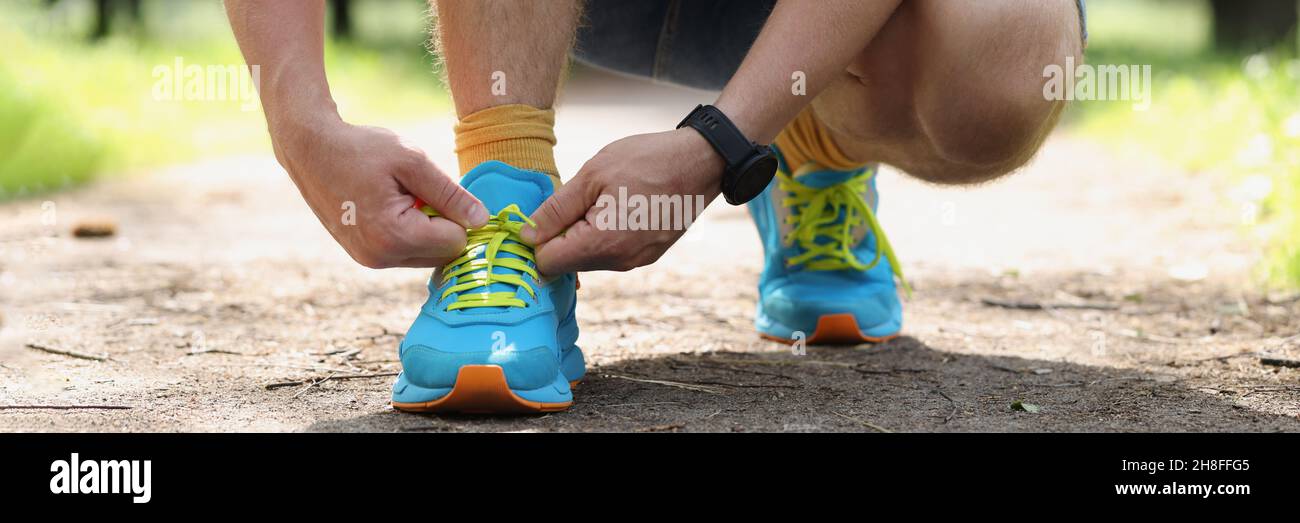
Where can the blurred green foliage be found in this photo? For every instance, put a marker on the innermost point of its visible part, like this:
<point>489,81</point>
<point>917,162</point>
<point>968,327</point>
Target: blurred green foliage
<point>42,146</point>
<point>71,109</point>
<point>1237,117</point>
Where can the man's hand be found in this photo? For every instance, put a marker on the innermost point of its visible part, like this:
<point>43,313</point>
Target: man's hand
<point>361,183</point>
<point>679,162</point>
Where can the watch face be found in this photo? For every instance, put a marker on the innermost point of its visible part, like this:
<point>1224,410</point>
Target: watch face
<point>753,179</point>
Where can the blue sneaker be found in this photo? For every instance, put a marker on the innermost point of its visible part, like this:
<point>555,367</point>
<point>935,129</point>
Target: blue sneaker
<point>828,268</point>
<point>492,338</point>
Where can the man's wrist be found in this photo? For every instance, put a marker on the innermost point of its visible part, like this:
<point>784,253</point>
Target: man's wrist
<point>752,123</point>
<point>701,153</point>
<point>300,114</point>
<point>294,96</point>
<point>290,124</point>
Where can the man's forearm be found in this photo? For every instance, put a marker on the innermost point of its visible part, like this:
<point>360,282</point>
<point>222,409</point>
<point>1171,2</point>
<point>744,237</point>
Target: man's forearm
<point>287,41</point>
<point>817,38</point>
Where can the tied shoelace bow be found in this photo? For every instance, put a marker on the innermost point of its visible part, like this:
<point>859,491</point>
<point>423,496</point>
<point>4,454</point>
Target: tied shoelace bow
<point>832,213</point>
<point>475,268</point>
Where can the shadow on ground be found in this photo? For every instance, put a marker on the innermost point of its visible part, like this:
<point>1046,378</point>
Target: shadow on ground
<point>903,385</point>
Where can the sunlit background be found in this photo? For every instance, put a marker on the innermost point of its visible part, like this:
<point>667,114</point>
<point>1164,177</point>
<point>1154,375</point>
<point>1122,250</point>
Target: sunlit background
<point>77,93</point>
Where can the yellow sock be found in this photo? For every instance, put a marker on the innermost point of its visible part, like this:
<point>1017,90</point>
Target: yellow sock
<point>520,135</point>
<point>805,139</point>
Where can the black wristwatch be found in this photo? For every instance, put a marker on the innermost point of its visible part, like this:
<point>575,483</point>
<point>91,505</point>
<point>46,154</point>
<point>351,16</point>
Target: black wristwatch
<point>750,166</point>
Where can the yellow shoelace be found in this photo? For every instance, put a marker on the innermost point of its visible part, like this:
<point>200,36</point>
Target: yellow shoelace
<point>474,268</point>
<point>818,214</point>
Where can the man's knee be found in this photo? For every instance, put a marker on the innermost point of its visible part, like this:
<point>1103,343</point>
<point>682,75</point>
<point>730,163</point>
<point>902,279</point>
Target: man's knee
<point>983,109</point>
<point>952,92</point>
<point>979,140</point>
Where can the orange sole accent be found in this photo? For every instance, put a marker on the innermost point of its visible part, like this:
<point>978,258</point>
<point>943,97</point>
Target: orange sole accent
<point>482,389</point>
<point>836,329</point>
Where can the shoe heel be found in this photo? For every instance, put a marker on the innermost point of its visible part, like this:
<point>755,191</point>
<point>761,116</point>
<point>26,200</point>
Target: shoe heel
<point>572,363</point>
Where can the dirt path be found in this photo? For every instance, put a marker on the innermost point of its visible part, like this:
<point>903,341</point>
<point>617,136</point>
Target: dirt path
<point>221,282</point>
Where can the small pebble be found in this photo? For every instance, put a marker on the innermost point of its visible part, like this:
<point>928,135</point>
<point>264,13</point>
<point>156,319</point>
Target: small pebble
<point>94,229</point>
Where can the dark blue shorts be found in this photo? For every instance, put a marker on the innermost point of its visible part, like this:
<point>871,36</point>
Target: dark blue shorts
<point>678,41</point>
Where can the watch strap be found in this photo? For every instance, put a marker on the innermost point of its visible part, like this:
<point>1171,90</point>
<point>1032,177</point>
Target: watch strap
<point>730,143</point>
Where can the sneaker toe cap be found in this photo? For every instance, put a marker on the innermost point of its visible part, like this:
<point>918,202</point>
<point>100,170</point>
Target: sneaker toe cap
<point>876,308</point>
<point>433,353</point>
<point>434,367</point>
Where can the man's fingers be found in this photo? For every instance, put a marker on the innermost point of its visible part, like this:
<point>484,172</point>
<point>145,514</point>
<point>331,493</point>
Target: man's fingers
<point>568,205</point>
<point>421,263</point>
<point>439,191</point>
<point>420,236</point>
<point>574,252</point>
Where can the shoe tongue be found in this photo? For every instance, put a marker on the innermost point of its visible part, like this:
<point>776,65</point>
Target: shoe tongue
<point>498,185</point>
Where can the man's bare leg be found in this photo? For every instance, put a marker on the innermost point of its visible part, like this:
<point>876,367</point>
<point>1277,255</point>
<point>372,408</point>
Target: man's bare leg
<point>951,91</point>
<point>526,42</point>
<point>510,54</point>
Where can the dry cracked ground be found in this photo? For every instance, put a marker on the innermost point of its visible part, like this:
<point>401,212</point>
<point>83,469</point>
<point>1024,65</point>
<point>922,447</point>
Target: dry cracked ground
<point>1098,290</point>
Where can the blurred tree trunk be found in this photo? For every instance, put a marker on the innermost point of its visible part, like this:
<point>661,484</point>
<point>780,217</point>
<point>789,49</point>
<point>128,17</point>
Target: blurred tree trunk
<point>133,10</point>
<point>104,11</point>
<point>342,11</point>
<point>103,19</point>
<point>1252,25</point>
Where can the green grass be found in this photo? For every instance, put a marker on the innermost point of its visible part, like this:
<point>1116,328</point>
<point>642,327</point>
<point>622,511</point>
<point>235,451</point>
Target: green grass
<point>1233,117</point>
<point>71,110</point>
<point>42,147</point>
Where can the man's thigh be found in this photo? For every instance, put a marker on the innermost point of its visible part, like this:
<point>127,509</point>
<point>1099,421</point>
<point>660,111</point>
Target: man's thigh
<point>696,43</point>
